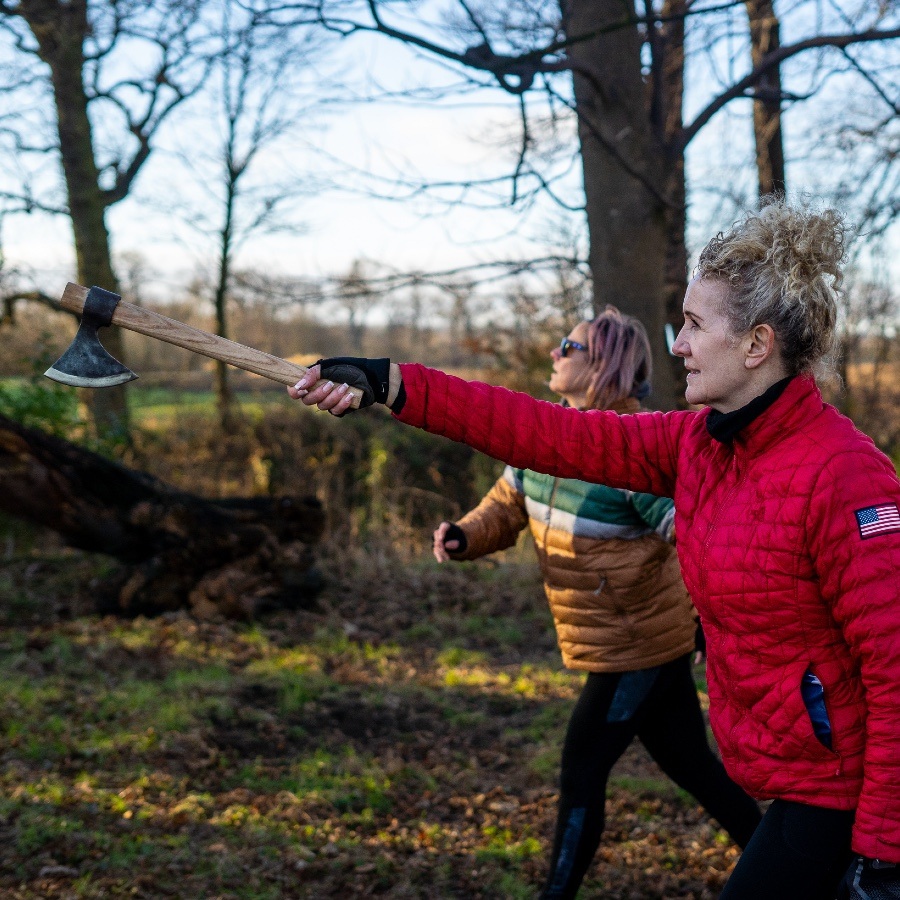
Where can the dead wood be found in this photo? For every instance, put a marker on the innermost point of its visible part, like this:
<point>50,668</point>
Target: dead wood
<point>233,557</point>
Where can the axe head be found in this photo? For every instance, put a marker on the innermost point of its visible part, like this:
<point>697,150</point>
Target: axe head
<point>86,363</point>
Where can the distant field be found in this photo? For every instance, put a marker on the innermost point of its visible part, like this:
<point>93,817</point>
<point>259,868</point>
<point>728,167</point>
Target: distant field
<point>158,406</point>
<point>160,401</point>
<point>864,373</point>
<point>41,402</point>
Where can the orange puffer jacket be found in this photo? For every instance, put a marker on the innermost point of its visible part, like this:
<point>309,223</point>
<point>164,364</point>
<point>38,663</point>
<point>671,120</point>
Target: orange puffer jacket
<point>789,540</point>
<point>611,577</point>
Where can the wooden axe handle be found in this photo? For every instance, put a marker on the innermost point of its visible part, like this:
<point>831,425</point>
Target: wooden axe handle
<point>143,321</point>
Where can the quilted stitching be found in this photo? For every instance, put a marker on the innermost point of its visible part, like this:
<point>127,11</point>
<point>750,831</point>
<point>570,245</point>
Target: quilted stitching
<point>771,556</point>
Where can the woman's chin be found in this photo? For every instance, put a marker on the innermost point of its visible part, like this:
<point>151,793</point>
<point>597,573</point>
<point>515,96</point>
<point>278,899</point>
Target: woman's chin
<point>694,396</point>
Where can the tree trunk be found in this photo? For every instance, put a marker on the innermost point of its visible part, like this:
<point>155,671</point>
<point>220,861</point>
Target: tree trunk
<point>234,557</point>
<point>669,75</point>
<point>764,38</point>
<point>625,175</point>
<point>60,30</point>
<point>224,395</point>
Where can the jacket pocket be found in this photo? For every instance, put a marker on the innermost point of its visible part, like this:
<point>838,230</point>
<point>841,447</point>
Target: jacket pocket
<point>813,694</point>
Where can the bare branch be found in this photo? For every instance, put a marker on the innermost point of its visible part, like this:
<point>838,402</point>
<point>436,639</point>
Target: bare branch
<point>474,20</point>
<point>892,104</point>
<point>523,150</point>
<point>27,203</point>
<point>610,146</point>
<point>303,291</point>
<point>773,59</point>
<point>10,300</point>
<point>521,68</point>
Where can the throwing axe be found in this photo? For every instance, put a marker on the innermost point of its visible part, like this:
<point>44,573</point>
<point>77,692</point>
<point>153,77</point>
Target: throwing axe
<point>87,363</point>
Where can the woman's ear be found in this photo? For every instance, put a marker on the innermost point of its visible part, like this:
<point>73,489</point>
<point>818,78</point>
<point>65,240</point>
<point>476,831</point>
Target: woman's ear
<point>759,345</point>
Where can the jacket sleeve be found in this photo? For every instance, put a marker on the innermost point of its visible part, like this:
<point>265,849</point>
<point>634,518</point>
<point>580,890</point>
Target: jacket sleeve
<point>858,570</point>
<point>496,522</point>
<point>638,452</point>
<point>657,512</point>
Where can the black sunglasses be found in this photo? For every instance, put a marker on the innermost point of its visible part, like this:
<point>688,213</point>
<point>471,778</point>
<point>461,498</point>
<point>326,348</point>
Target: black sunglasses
<point>566,345</point>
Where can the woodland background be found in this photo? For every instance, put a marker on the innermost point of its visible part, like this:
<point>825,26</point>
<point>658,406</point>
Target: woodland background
<point>229,666</point>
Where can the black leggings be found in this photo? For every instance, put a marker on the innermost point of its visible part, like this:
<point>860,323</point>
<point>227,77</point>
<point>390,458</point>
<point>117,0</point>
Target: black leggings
<point>670,725</point>
<point>799,852</point>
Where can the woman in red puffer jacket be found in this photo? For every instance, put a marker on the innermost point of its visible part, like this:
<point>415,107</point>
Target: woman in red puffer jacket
<point>789,541</point>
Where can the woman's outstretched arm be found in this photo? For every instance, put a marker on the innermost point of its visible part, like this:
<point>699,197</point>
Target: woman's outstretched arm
<point>639,451</point>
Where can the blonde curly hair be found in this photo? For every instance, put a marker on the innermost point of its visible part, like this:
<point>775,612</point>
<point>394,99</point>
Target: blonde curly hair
<point>783,265</point>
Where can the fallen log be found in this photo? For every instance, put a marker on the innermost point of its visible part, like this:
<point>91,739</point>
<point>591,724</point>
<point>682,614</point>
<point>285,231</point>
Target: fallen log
<point>235,557</point>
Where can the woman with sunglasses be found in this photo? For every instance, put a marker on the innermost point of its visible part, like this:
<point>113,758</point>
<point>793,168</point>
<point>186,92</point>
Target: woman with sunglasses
<point>788,523</point>
<point>621,610</point>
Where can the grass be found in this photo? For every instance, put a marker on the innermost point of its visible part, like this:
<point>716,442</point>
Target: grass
<point>159,407</point>
<point>171,757</point>
<point>643,786</point>
<point>401,738</point>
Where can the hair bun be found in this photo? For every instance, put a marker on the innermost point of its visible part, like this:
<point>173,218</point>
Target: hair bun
<point>803,245</point>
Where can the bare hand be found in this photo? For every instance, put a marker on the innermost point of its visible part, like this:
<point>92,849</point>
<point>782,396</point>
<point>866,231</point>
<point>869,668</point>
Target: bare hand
<point>440,547</point>
<point>335,398</point>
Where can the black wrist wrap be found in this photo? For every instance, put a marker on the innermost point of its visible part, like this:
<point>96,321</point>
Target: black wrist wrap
<point>371,376</point>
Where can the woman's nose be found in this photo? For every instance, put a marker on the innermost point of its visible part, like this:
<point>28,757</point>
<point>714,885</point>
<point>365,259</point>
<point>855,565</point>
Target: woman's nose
<point>681,346</point>
<point>555,354</point>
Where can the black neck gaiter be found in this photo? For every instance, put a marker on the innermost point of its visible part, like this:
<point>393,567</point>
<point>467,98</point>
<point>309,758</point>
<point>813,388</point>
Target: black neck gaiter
<point>724,427</point>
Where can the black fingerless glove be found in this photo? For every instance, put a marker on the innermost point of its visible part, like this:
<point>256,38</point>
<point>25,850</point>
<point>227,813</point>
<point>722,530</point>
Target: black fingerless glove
<point>455,533</point>
<point>371,376</point>
<point>870,879</point>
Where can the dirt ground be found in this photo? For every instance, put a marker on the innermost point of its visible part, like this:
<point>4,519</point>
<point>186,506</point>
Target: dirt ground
<point>400,739</point>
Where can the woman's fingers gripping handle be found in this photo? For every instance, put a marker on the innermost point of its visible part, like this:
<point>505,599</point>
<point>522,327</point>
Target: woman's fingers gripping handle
<point>326,395</point>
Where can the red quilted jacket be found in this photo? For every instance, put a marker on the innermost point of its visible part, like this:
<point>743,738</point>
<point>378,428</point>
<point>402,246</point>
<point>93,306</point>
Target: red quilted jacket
<point>785,575</point>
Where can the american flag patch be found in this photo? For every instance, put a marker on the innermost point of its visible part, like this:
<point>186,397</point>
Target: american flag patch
<point>878,520</point>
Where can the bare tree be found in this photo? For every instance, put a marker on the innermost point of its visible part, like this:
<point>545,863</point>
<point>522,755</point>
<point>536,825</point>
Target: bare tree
<point>764,39</point>
<point>854,143</point>
<point>356,299</point>
<point>84,90</point>
<point>618,67</point>
<point>869,360</point>
<point>461,330</point>
<point>248,191</point>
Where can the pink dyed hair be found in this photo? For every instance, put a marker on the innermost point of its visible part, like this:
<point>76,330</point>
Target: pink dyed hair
<point>619,355</point>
